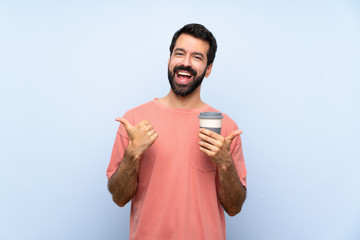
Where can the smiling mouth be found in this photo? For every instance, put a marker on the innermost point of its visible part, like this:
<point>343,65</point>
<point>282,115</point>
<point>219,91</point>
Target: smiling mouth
<point>183,77</point>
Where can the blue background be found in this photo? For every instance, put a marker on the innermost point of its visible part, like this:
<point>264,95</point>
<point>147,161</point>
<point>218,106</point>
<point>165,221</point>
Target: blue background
<point>286,71</point>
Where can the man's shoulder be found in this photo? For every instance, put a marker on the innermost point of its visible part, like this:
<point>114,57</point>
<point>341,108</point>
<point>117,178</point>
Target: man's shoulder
<point>141,107</point>
<point>227,119</point>
<point>141,111</point>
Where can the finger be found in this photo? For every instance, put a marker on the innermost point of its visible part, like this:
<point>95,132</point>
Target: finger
<point>145,122</point>
<point>151,132</point>
<point>211,133</point>
<point>233,135</point>
<point>148,127</point>
<point>211,140</point>
<point>154,136</point>
<point>208,146</point>
<point>207,152</point>
<point>125,122</point>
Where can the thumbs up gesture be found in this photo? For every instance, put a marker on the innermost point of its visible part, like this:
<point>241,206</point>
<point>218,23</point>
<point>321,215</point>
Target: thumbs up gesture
<point>141,136</point>
<point>216,146</point>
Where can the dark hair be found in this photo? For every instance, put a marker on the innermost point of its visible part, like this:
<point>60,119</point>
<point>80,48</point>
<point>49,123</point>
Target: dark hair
<point>197,31</point>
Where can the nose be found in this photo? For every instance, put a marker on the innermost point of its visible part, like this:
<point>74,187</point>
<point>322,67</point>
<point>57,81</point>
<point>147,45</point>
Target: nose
<point>187,61</point>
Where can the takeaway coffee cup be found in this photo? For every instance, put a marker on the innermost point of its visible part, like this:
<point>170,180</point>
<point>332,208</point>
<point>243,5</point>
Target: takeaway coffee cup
<point>211,121</point>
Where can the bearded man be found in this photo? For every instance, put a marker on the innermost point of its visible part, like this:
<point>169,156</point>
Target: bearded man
<point>179,178</point>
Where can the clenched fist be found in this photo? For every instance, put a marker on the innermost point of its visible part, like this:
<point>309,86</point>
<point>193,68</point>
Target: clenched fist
<point>141,136</point>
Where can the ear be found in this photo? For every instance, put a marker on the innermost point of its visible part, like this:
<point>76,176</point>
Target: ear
<point>208,70</point>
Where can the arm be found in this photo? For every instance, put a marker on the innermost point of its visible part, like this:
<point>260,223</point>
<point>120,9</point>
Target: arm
<point>232,193</point>
<point>123,183</point>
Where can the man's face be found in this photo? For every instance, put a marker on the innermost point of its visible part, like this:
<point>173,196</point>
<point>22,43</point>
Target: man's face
<point>188,64</point>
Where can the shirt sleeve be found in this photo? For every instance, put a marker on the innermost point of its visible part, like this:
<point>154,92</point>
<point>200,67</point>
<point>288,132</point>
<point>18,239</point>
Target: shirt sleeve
<point>238,158</point>
<point>120,145</point>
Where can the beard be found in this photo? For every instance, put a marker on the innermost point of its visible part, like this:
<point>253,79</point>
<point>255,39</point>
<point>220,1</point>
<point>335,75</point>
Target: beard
<point>185,89</point>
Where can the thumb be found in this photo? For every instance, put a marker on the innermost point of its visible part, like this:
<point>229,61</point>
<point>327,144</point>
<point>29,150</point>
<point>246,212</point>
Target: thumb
<point>233,135</point>
<point>125,122</point>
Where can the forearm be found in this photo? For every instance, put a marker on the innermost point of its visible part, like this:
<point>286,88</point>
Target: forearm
<point>232,193</point>
<point>123,183</point>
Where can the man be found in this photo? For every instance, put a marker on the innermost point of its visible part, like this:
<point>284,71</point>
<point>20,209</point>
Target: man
<point>179,178</point>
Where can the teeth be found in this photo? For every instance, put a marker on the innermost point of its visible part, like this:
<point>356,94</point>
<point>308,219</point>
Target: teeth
<point>184,73</point>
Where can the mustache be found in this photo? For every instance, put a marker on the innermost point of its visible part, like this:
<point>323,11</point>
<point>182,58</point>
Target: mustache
<point>188,69</point>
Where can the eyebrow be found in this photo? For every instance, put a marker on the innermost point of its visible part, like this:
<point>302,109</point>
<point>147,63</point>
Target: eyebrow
<point>199,54</point>
<point>195,53</point>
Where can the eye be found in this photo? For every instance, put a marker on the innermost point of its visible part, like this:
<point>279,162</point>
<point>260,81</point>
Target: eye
<point>198,57</point>
<point>179,54</point>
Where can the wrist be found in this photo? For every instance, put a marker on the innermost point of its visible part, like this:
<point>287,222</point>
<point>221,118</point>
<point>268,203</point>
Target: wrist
<point>132,153</point>
<point>225,166</point>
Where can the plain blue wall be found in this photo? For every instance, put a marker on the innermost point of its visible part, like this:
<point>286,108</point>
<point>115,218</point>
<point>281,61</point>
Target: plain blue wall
<point>286,71</point>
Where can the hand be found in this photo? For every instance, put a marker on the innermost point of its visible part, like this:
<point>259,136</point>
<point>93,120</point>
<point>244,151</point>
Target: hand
<point>141,136</point>
<point>216,146</point>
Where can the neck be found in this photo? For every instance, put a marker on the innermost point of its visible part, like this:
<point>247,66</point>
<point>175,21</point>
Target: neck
<point>191,101</point>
